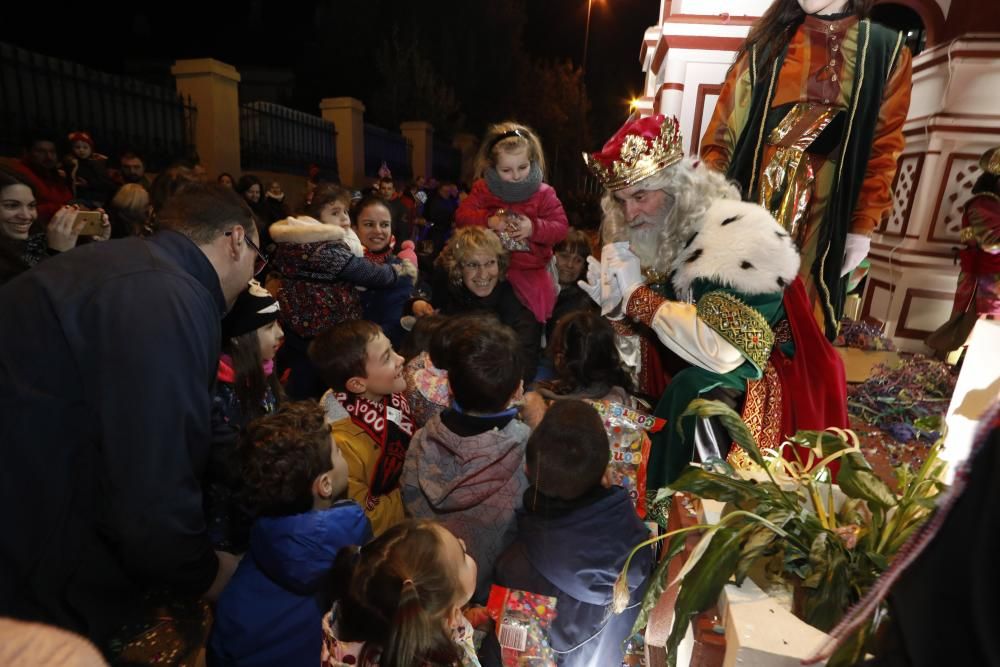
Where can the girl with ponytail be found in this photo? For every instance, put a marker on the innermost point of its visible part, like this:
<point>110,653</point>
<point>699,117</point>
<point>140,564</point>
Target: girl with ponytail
<point>399,601</point>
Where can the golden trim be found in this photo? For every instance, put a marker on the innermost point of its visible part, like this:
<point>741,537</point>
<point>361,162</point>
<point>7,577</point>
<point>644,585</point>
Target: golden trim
<point>763,122</point>
<point>738,323</point>
<point>895,53</point>
<point>762,413</point>
<point>640,158</point>
<point>857,97</point>
<point>830,313</point>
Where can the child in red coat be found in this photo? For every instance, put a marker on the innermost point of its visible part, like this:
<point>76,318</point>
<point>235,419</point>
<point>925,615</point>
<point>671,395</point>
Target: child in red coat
<point>510,198</point>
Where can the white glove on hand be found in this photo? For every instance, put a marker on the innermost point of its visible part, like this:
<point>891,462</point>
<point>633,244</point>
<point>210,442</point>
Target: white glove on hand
<point>592,285</point>
<point>855,250</point>
<point>623,264</point>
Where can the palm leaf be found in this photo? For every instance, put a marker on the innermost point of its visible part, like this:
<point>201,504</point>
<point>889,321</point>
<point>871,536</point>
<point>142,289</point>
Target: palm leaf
<point>658,580</point>
<point>703,584</point>
<point>704,484</point>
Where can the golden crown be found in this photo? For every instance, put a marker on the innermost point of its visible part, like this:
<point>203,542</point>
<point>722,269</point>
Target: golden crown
<point>990,161</point>
<point>629,156</point>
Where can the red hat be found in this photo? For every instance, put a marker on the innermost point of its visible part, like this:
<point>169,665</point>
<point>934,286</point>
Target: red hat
<point>639,149</point>
<point>81,136</point>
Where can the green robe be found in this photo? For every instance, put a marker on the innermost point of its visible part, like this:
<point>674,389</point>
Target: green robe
<point>746,321</point>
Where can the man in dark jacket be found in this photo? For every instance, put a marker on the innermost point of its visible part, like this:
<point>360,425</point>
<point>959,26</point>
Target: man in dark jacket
<point>107,358</point>
<point>573,537</point>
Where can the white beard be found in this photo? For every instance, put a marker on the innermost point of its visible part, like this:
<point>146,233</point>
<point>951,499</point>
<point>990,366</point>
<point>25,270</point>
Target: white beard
<point>644,242</point>
<point>653,242</point>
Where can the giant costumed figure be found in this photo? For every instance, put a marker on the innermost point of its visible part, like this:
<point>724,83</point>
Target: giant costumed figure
<point>703,292</point>
<point>809,123</point>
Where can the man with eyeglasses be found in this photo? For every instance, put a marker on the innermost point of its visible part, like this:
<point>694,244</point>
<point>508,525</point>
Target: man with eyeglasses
<point>107,358</point>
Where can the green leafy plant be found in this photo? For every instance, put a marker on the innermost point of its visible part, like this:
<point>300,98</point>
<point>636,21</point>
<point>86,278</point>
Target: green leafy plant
<point>785,527</point>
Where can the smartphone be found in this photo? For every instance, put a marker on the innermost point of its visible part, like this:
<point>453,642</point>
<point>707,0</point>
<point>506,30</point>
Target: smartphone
<point>93,223</point>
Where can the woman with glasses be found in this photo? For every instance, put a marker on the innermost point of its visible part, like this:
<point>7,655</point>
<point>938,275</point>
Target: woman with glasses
<point>471,275</point>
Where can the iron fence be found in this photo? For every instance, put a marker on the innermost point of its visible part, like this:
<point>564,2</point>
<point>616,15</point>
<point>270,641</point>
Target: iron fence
<point>389,147</point>
<point>38,92</point>
<point>276,138</point>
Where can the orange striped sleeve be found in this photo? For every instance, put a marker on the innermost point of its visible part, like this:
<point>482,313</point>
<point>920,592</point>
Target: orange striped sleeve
<point>729,118</point>
<point>875,198</point>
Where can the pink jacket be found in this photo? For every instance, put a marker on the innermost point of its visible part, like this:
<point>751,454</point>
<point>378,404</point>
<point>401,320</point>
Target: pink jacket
<point>528,273</point>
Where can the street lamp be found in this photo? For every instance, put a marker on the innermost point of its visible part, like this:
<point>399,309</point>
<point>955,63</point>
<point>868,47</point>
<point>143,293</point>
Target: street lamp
<point>586,36</point>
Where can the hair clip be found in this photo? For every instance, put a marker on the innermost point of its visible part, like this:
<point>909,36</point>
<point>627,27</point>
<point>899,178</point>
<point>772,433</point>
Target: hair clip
<point>506,135</point>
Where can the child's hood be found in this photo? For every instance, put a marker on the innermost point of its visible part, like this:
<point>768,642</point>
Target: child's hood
<point>298,551</point>
<point>456,473</point>
<point>583,551</point>
<point>304,229</point>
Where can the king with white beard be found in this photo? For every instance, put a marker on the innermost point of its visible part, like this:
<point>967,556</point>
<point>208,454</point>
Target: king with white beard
<point>703,292</point>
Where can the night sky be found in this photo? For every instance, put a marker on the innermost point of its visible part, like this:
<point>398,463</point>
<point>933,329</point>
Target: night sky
<point>145,38</point>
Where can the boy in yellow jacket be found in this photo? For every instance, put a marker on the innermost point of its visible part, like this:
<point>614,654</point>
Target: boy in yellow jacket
<point>369,417</point>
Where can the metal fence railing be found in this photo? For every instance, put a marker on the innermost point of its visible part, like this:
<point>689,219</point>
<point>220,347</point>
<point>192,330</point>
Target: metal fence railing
<point>276,138</point>
<point>51,95</point>
<point>390,147</point>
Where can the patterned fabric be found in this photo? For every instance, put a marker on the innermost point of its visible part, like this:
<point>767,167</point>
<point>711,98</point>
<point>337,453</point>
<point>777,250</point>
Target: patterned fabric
<point>739,324</point>
<point>762,403</point>
<point>373,439</point>
<point>643,304</point>
<point>389,426</point>
<point>312,296</point>
<point>422,407</point>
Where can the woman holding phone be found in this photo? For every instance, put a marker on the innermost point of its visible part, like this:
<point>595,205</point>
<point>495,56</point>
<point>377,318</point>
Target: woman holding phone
<point>21,246</point>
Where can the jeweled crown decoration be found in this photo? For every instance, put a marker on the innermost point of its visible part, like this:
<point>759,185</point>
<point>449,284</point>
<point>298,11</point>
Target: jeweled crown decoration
<point>990,161</point>
<point>638,157</point>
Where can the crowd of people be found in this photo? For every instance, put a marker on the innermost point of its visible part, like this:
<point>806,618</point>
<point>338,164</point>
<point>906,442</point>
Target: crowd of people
<point>320,429</point>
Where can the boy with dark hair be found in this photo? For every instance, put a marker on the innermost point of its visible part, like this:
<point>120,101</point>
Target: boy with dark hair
<point>465,466</point>
<point>295,478</point>
<point>368,414</point>
<point>573,536</point>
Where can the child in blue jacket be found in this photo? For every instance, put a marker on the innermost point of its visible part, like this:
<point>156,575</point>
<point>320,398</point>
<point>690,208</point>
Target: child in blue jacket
<point>271,612</point>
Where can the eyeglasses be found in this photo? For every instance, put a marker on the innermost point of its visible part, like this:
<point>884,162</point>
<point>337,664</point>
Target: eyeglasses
<point>261,260</point>
<point>475,266</point>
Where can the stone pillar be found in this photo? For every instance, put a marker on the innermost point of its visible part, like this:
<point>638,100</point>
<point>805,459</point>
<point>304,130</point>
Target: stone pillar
<point>468,145</point>
<point>348,117</point>
<point>952,120</point>
<point>421,137</point>
<point>213,88</point>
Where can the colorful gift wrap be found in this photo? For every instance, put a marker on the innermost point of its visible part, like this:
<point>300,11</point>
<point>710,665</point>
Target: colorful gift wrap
<point>628,433</point>
<point>522,622</point>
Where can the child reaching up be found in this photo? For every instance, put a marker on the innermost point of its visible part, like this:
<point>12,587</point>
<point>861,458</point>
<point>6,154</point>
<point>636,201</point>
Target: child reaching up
<point>510,198</point>
<point>398,601</point>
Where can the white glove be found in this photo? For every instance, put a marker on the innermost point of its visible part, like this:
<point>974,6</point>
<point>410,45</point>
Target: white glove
<point>592,285</point>
<point>855,250</point>
<point>623,265</point>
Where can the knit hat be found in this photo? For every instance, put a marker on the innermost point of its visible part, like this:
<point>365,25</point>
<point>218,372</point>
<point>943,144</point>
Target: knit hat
<point>407,252</point>
<point>81,136</point>
<point>254,308</point>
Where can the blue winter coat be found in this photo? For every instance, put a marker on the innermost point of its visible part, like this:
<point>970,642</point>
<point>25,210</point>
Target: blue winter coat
<point>272,610</point>
<point>575,554</point>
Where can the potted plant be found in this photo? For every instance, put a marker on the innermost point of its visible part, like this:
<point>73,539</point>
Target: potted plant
<point>785,525</point>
